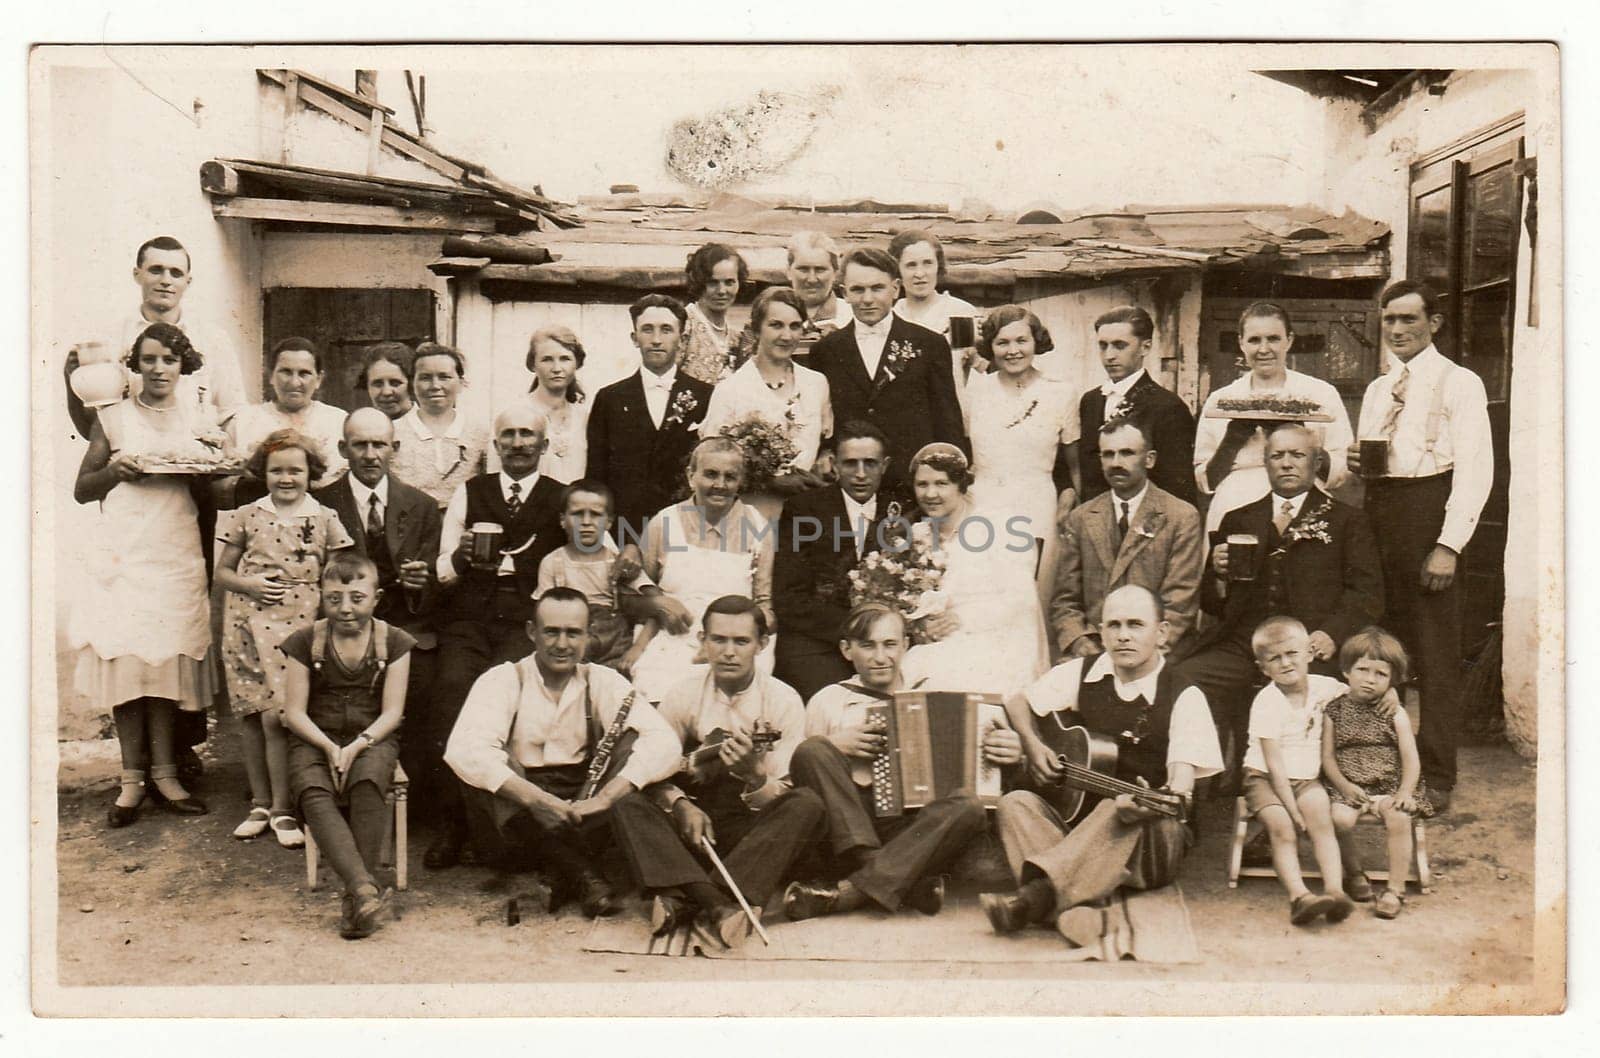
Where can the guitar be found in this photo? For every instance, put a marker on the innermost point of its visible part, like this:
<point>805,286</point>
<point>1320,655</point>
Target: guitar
<point>1088,764</point>
<point>762,733</point>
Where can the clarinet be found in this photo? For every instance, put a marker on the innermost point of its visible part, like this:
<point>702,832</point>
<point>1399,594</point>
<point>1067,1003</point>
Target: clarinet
<point>603,751</point>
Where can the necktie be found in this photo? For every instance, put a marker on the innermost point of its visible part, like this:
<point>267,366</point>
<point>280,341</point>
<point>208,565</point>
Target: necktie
<point>1391,418</point>
<point>1284,516</point>
<point>374,517</point>
<point>1122,523</point>
<point>514,504</point>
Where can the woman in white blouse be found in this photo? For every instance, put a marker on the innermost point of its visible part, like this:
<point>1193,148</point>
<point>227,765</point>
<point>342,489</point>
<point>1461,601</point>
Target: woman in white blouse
<point>435,450</point>
<point>714,275</point>
<point>920,258</point>
<point>1229,452</point>
<point>296,377</point>
<point>1022,422</point>
<point>554,356</point>
<point>772,386</point>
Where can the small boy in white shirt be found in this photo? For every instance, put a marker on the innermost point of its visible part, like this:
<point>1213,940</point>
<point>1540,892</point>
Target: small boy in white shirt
<point>1282,768</point>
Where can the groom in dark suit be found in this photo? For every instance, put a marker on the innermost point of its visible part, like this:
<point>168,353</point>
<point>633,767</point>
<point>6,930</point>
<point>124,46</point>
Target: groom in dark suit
<point>887,371</point>
<point>1123,336</point>
<point>821,535</point>
<point>642,429</point>
<point>1315,560</point>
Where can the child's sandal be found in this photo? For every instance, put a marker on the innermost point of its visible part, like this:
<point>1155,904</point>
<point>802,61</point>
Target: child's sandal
<point>287,830</point>
<point>1388,904</point>
<point>255,824</point>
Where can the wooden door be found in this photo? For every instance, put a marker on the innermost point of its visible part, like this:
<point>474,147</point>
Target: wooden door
<point>344,323</point>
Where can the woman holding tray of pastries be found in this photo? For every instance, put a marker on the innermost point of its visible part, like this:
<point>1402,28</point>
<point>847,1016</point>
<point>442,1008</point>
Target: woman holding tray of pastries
<point>143,620</point>
<point>1231,437</point>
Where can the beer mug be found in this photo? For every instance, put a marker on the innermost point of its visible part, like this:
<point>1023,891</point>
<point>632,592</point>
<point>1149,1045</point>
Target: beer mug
<point>1374,457</point>
<point>1242,556</point>
<point>486,544</point>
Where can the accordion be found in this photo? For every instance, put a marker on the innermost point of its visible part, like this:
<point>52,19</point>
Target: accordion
<point>935,748</point>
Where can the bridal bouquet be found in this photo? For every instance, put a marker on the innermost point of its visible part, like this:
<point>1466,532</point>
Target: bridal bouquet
<point>767,449</point>
<point>905,575</point>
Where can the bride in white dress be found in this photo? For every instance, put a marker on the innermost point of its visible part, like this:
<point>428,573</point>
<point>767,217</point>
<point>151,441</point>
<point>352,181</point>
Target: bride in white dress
<point>990,636</point>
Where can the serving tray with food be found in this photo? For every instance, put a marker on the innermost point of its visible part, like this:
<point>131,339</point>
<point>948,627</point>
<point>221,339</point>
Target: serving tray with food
<point>1268,409</point>
<point>194,455</point>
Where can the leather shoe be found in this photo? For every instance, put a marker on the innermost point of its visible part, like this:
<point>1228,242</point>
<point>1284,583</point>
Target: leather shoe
<point>1359,888</point>
<point>596,897</point>
<point>120,815</point>
<point>366,915</point>
<point>1308,906</point>
<point>1440,799</point>
<point>184,806</point>
<point>927,895</point>
<point>668,913</point>
<point>729,924</point>
<point>445,852</point>
<point>802,900</point>
<point>1007,912</point>
<point>1342,906</point>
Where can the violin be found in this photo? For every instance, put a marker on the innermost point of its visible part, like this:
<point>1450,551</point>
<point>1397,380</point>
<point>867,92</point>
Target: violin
<point>762,733</point>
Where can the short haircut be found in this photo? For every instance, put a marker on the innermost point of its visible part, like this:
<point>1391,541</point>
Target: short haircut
<point>568,340</point>
<point>715,445</point>
<point>1400,288</point>
<point>562,594</point>
<point>764,301</point>
<point>297,345</point>
<point>344,567</point>
<point>734,606</point>
<point>397,353</point>
<point>1144,328</point>
<point>592,486</point>
<point>697,269</point>
<point>658,301</point>
<point>1125,422</point>
<point>814,240</point>
<point>174,341</point>
<point>427,349</point>
<point>1003,317</point>
<point>277,441</point>
<point>872,257</point>
<point>521,404</point>
<point>909,238</point>
<point>1298,427</point>
<point>1274,629</point>
<point>858,623</point>
<point>859,430</point>
<point>1266,310</point>
<point>162,242</point>
<point>1378,645</point>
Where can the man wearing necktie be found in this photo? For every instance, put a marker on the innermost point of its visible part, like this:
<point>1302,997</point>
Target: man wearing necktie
<point>1314,561</point>
<point>1137,533</point>
<point>1425,506</point>
<point>489,604</point>
<point>821,536</point>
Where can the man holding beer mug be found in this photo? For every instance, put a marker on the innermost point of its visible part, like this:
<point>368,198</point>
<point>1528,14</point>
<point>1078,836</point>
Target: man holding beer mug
<point>1295,552</point>
<point>496,530</point>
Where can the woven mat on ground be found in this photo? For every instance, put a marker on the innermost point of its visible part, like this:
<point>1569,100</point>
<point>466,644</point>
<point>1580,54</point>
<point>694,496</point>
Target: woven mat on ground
<point>1149,927</point>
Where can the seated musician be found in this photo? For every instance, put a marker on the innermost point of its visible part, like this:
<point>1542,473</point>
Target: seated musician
<point>524,744</point>
<point>733,791</point>
<point>881,862</point>
<point>1164,737</point>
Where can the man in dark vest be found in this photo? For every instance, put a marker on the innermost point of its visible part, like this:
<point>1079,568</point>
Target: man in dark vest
<point>488,604</point>
<point>642,429</point>
<point>397,527</point>
<point>1164,736</point>
<point>1123,336</point>
<point>822,535</point>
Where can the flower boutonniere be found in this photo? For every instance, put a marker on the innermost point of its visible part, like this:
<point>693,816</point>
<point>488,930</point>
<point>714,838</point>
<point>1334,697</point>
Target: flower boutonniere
<point>1150,526</point>
<point>1311,525</point>
<point>684,402</point>
<point>1032,407</point>
<point>899,355</point>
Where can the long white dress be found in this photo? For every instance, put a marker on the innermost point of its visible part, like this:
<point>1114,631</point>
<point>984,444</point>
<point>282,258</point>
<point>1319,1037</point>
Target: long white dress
<point>1247,481</point>
<point>143,618</point>
<point>1015,434</point>
<point>988,581</point>
<point>805,412</point>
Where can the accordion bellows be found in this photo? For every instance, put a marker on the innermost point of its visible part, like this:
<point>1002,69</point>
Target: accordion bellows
<point>935,749</point>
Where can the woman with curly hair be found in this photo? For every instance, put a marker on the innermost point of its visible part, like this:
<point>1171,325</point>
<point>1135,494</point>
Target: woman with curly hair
<point>988,634</point>
<point>143,621</point>
<point>714,274</point>
<point>386,376</point>
<point>554,357</point>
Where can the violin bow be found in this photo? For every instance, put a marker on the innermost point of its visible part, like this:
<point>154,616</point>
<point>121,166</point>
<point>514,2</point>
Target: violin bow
<point>734,888</point>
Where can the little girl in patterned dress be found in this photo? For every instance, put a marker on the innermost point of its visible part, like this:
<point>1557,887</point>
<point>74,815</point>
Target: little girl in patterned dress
<point>1370,763</point>
<point>271,565</point>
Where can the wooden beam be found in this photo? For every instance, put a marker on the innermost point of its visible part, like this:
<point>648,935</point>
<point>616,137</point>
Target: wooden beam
<point>219,178</point>
<point>291,106</point>
<point>349,214</point>
<point>314,96</point>
<point>374,142</point>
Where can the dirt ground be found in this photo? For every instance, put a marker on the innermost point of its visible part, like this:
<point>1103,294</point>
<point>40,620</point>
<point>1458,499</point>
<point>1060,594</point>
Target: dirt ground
<point>172,901</point>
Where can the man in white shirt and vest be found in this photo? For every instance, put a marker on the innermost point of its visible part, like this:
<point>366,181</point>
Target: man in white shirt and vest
<point>1424,506</point>
<point>527,740</point>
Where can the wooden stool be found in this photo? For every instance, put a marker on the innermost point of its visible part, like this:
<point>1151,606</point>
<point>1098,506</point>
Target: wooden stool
<point>394,840</point>
<point>1245,827</point>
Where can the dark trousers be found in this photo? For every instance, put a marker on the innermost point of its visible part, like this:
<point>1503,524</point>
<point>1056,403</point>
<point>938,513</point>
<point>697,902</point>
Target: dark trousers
<point>1227,673</point>
<point>467,649</point>
<point>1406,515</point>
<point>353,848</point>
<point>808,664</point>
<point>893,853</point>
<point>758,848</point>
<point>421,763</point>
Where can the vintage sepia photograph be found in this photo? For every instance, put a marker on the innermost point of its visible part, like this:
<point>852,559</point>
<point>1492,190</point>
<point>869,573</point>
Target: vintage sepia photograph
<point>797,529</point>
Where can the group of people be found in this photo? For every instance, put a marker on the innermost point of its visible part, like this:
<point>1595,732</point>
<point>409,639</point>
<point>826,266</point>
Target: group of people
<point>636,633</point>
